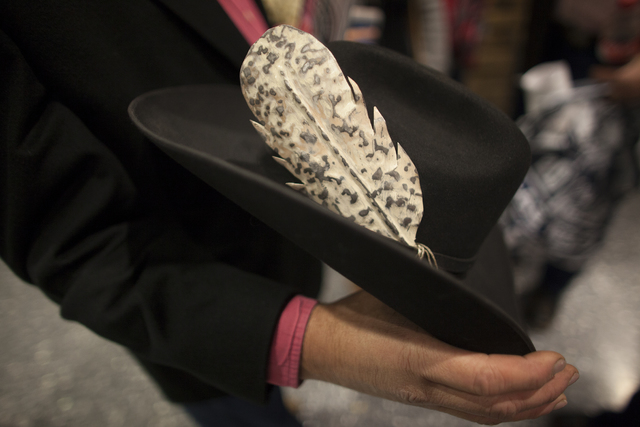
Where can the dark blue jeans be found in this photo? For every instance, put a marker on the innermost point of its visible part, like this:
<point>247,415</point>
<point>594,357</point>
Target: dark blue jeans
<point>233,412</point>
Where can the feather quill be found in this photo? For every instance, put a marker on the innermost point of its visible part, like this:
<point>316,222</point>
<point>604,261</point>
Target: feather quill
<point>316,121</point>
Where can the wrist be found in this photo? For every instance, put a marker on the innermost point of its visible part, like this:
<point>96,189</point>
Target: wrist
<point>317,346</point>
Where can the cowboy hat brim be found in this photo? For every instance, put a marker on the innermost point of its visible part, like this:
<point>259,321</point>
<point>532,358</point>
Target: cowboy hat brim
<point>206,129</point>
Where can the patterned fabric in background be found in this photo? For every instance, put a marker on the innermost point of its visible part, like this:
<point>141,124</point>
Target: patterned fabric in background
<point>583,162</point>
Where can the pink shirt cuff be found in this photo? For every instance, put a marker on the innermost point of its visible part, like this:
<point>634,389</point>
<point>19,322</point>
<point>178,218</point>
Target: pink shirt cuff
<point>286,347</point>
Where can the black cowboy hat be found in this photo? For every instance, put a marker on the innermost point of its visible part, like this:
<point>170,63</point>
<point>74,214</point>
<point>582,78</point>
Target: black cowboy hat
<point>470,157</point>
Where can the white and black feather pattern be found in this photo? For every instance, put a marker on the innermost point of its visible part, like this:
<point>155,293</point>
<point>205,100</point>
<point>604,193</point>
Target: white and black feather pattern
<point>315,119</point>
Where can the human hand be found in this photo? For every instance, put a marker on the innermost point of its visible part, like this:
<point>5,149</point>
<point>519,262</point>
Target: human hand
<point>360,343</point>
<point>624,81</point>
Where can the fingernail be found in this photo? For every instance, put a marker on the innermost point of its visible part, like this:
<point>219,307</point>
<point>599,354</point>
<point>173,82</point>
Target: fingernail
<point>574,378</point>
<point>560,405</point>
<point>559,366</point>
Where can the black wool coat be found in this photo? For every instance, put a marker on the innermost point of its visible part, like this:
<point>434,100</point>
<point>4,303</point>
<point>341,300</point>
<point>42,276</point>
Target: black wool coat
<point>126,241</point>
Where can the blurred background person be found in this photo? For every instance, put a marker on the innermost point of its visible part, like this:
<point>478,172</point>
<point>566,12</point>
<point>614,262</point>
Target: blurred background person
<point>581,118</point>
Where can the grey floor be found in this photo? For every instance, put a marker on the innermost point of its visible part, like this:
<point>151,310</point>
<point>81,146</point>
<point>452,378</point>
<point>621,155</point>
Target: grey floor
<point>55,373</point>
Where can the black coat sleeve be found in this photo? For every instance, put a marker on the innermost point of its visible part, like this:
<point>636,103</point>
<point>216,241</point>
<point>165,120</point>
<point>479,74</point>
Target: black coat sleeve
<point>75,222</point>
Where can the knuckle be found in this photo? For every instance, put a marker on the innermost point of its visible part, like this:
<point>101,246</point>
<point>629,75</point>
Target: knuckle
<point>410,360</point>
<point>504,410</point>
<point>551,397</point>
<point>487,381</point>
<point>412,396</point>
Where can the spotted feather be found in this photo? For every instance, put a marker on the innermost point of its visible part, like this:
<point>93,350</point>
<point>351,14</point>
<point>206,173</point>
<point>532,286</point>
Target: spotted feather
<point>316,120</point>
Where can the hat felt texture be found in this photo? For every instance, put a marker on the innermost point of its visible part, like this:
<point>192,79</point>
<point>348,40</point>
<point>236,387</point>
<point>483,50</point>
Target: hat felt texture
<point>470,157</point>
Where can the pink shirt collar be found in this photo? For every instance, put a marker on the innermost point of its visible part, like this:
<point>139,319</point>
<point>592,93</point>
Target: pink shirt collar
<point>247,18</point>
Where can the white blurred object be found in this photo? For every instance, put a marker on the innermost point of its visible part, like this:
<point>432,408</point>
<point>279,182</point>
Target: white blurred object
<point>545,85</point>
